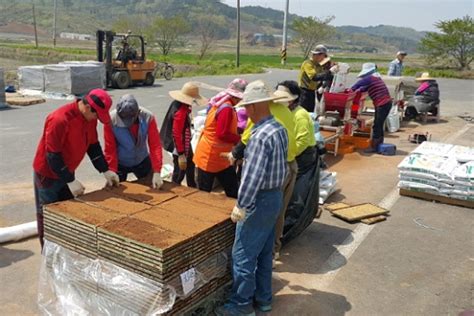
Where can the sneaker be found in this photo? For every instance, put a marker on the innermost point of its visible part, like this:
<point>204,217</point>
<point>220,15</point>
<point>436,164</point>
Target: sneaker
<point>228,310</point>
<point>264,308</point>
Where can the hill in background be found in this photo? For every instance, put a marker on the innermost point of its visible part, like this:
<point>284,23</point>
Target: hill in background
<point>86,16</point>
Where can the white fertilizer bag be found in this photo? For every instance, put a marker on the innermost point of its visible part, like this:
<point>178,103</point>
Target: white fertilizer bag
<point>462,153</point>
<point>433,148</point>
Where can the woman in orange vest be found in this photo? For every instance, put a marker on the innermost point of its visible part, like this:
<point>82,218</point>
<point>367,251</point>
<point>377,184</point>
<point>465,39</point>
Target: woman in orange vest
<point>219,136</point>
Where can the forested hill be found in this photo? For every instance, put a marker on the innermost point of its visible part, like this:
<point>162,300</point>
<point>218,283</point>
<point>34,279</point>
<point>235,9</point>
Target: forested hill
<point>86,16</point>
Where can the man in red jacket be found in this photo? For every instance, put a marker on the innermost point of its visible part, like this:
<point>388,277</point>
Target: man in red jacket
<point>69,133</point>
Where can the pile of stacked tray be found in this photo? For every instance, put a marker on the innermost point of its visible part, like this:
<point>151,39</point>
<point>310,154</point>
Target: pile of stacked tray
<point>156,234</point>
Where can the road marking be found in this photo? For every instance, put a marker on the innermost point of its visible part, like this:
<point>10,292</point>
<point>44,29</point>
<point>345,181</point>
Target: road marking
<point>453,137</point>
<point>345,250</point>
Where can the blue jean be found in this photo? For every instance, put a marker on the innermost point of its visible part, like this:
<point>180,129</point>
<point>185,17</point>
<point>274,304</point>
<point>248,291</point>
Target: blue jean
<point>252,252</point>
<point>142,170</point>
<point>47,191</point>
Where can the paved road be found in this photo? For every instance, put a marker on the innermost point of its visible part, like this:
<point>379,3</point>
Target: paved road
<point>393,268</point>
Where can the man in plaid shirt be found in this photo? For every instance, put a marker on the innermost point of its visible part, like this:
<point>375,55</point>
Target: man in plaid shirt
<point>258,205</point>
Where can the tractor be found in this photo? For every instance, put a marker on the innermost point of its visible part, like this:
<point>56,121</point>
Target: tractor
<point>126,66</point>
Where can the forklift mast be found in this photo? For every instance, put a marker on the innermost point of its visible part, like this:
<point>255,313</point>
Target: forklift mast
<point>104,40</point>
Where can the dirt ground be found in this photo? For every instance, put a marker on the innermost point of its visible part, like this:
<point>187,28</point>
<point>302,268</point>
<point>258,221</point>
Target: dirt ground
<point>418,262</point>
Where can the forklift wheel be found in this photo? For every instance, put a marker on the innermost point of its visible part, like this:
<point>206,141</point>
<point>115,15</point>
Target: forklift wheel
<point>168,73</point>
<point>149,80</point>
<point>121,79</point>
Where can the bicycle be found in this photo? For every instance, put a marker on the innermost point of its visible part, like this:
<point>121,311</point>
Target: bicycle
<point>164,69</point>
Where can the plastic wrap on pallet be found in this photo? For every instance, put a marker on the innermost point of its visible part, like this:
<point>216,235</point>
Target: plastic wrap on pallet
<point>86,76</point>
<point>72,284</point>
<point>57,79</point>
<point>31,78</point>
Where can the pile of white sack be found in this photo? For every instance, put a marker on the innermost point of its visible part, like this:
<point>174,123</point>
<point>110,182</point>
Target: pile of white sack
<point>439,169</point>
<point>327,185</point>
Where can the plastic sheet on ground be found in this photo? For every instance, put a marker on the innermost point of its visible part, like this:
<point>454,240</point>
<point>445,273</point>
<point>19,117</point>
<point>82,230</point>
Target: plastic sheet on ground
<point>72,284</point>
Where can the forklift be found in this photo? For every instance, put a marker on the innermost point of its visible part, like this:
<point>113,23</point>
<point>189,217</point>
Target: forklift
<point>127,67</point>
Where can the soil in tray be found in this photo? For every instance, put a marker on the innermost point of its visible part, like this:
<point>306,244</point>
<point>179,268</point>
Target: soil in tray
<point>142,193</point>
<point>221,201</point>
<point>196,210</point>
<point>143,232</point>
<point>168,220</point>
<point>108,200</point>
<point>83,212</point>
<point>177,189</point>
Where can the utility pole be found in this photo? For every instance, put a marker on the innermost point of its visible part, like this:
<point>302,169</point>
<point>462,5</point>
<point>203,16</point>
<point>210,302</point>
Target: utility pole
<point>237,62</point>
<point>285,33</point>
<point>34,24</point>
<point>54,22</point>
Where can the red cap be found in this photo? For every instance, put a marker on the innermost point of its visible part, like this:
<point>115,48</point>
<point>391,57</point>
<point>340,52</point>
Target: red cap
<point>100,100</point>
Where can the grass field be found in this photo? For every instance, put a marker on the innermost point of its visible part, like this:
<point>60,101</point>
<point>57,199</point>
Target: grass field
<point>216,63</point>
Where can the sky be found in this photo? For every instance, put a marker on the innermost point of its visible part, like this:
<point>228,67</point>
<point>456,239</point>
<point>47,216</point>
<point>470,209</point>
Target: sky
<point>417,14</point>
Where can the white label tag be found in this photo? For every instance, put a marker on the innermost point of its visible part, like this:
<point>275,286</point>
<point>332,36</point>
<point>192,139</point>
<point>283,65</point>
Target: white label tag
<point>187,279</point>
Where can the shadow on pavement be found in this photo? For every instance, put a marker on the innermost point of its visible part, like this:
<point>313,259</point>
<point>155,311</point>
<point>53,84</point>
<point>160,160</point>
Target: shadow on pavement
<point>298,300</point>
<point>9,107</point>
<point>309,251</point>
<point>10,256</point>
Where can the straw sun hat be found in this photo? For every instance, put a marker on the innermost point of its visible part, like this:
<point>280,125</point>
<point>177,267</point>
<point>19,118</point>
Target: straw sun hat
<point>424,77</point>
<point>257,92</point>
<point>189,94</point>
<point>284,94</point>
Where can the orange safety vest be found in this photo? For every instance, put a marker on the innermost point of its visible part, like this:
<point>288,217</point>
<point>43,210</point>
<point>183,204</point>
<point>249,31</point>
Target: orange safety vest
<point>207,156</point>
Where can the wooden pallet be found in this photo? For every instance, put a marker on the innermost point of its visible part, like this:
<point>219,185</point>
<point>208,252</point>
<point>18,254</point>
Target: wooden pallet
<point>437,198</point>
<point>18,99</point>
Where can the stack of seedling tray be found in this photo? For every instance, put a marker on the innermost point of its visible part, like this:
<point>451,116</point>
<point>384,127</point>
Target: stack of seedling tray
<point>158,234</point>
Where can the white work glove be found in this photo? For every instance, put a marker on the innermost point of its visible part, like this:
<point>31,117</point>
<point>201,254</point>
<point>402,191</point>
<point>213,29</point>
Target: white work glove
<point>182,162</point>
<point>237,214</point>
<point>111,178</point>
<point>156,182</point>
<point>334,69</point>
<point>229,157</point>
<point>76,188</point>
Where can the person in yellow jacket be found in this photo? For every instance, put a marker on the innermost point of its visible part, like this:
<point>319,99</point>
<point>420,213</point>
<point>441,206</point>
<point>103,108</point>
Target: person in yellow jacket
<point>311,74</point>
<point>279,109</point>
<point>304,127</point>
<point>219,136</point>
